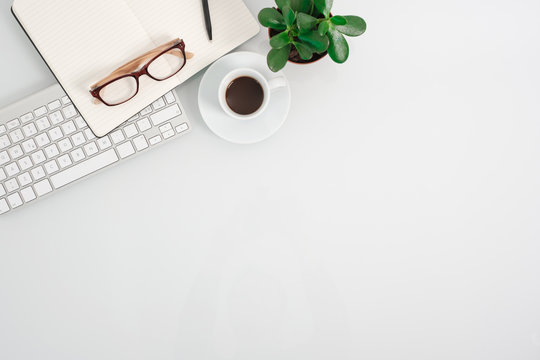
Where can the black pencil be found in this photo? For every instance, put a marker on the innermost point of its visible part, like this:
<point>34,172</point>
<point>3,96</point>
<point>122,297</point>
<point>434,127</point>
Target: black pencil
<point>207,18</point>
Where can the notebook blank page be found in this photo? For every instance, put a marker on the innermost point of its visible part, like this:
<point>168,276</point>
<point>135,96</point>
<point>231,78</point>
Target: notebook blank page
<point>232,24</point>
<point>83,41</point>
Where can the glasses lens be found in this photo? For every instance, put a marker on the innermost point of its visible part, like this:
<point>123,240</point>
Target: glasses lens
<point>167,65</point>
<point>119,91</point>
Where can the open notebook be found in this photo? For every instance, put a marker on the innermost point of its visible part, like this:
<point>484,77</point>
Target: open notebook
<point>83,41</point>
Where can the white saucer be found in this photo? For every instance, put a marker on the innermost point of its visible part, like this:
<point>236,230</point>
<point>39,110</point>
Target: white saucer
<point>236,130</point>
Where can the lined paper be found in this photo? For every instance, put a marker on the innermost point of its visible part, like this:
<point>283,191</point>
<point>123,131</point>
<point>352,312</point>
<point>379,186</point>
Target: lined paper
<point>83,41</point>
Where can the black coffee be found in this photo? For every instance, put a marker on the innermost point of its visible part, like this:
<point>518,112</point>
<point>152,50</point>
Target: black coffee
<point>244,95</point>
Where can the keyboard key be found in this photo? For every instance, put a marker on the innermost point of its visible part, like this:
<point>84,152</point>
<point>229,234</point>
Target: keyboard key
<point>51,167</point>
<point>158,104</point>
<point>38,157</point>
<point>140,143</point>
<point>4,158</point>
<point>168,134</point>
<point>147,110</point>
<point>65,145</point>
<point>117,136</point>
<point>69,111</point>
<point>12,169</point>
<point>89,134</point>
<point>28,194</point>
<point>30,129</point>
<point>69,127</point>
<point>134,117</point>
<point>16,152</point>
<point>27,117</point>
<point>51,151</point>
<point>55,133</point>
<point>43,123</point>
<point>16,135</point>
<point>54,105</point>
<point>90,148</point>
<point>24,179</point>
<point>165,114</point>
<point>84,168</point>
<point>125,149</point>
<point>2,129</point>
<point>155,140</point>
<point>181,128</point>
<point>38,173</point>
<point>13,124</point>
<point>77,155</point>
<point>144,124</point>
<point>2,174</point>
<point>2,190</point>
<point>170,97</point>
<point>4,208</point>
<point>15,200</point>
<point>66,100</point>
<point>104,143</point>
<point>64,161</point>
<point>4,142</point>
<point>43,187</point>
<point>25,163</point>
<point>42,140</point>
<point>130,130</point>
<point>11,185</point>
<point>56,117</point>
<point>40,111</point>
<point>165,127</point>
<point>78,139</point>
<point>29,146</point>
<point>81,124</point>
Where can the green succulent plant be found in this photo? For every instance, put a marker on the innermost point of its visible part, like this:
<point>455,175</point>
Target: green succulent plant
<point>308,26</point>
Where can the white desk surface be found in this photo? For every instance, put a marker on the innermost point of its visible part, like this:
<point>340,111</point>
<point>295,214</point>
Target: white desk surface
<point>394,216</point>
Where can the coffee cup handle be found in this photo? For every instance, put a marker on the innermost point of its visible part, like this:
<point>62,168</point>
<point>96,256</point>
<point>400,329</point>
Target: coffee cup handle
<point>277,83</point>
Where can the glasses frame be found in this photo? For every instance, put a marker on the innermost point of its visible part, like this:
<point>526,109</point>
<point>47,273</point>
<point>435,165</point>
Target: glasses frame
<point>127,70</point>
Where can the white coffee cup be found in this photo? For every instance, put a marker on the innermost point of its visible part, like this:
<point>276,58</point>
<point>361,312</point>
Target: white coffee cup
<point>268,86</point>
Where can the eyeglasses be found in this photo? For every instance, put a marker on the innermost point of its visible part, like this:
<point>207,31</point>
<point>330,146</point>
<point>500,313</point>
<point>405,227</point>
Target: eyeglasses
<point>160,64</point>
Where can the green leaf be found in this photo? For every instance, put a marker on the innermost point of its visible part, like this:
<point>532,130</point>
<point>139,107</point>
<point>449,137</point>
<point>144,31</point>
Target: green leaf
<point>324,6</point>
<point>316,41</point>
<point>338,49</point>
<point>338,20</point>
<point>289,16</point>
<point>272,18</point>
<point>323,28</point>
<point>280,40</point>
<point>304,51</point>
<point>306,22</point>
<point>355,26</point>
<point>303,6</point>
<point>277,58</point>
<point>282,3</point>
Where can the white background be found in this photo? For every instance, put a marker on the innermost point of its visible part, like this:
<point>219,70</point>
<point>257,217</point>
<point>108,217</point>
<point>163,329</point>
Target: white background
<point>394,216</point>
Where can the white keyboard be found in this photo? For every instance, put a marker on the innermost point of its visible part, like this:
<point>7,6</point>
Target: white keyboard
<point>45,144</point>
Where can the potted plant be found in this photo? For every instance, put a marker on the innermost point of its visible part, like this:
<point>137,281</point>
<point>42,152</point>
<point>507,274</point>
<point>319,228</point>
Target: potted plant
<point>303,31</point>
